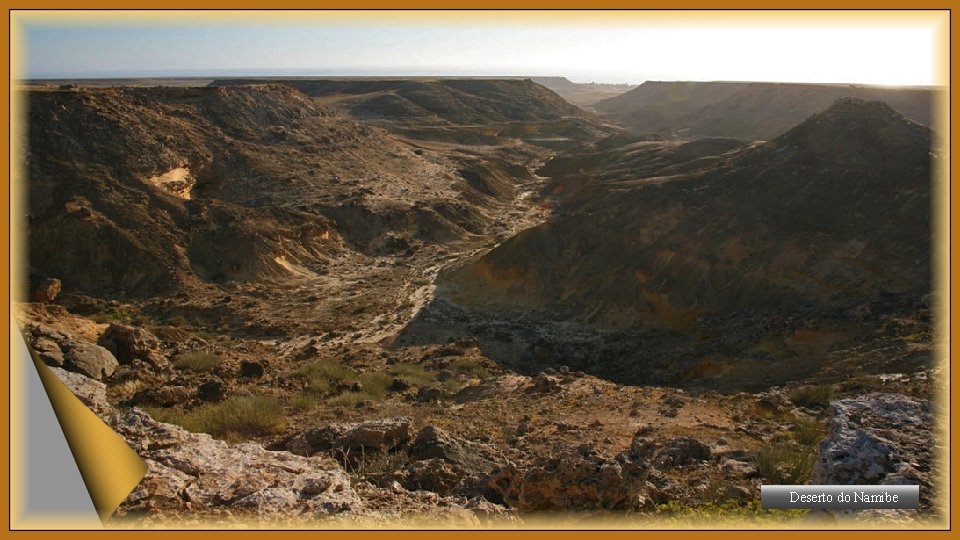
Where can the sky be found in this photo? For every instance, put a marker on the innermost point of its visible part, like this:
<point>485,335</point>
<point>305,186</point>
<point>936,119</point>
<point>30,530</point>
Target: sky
<point>626,49</point>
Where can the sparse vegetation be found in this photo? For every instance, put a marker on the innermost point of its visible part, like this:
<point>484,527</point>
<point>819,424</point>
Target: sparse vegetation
<point>375,384</point>
<point>304,402</point>
<point>323,376</point>
<point>814,396</point>
<point>677,512</point>
<point>234,419</point>
<point>349,399</point>
<point>111,316</point>
<point>808,432</point>
<point>414,374</point>
<point>786,463</point>
<point>470,368</point>
<point>199,361</point>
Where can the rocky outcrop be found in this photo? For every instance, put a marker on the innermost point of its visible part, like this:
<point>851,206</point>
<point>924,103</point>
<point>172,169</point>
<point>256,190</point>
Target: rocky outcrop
<point>208,478</point>
<point>351,441</point>
<point>129,343</point>
<point>434,443</point>
<point>202,472</point>
<point>879,439</point>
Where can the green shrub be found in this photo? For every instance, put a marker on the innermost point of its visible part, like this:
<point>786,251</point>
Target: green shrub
<point>304,402</point>
<point>234,419</point>
<point>808,432</point>
<point>414,374</point>
<point>786,463</point>
<point>812,396</point>
<point>470,368</point>
<point>322,376</point>
<point>200,361</point>
<point>375,384</point>
<point>349,399</point>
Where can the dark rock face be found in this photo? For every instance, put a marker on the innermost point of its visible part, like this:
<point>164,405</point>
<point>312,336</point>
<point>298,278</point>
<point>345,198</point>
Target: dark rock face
<point>879,439</point>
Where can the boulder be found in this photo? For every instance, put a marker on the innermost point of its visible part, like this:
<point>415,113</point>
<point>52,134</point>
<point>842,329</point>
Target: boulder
<point>352,440</point>
<point>251,370</point>
<point>434,475</point>
<point>195,471</point>
<point>433,443</point>
<point>91,360</point>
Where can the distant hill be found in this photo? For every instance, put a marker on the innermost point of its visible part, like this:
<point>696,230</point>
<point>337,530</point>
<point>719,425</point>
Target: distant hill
<point>745,110</point>
<point>832,213</point>
<point>582,94</point>
<point>434,109</point>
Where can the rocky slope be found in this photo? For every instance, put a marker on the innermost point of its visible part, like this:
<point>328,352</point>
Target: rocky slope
<point>833,214</point>
<point>255,266</point>
<point>452,110</point>
<point>750,111</point>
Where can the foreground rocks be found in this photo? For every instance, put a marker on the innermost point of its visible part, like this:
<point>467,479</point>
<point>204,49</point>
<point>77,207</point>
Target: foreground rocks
<point>197,475</point>
<point>879,439</point>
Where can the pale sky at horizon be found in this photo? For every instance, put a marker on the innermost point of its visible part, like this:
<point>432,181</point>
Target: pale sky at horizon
<point>618,53</point>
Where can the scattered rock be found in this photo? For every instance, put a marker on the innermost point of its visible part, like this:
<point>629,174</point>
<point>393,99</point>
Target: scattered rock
<point>545,383</point>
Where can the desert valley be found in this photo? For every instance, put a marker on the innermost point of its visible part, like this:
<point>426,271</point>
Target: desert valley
<point>496,302</point>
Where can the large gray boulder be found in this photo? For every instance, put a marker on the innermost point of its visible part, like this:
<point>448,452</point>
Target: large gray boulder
<point>879,439</point>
